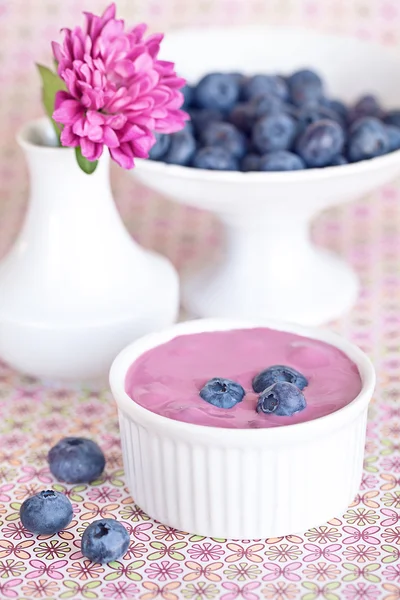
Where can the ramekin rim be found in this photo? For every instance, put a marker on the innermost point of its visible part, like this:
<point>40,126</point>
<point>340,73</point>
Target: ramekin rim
<point>133,351</point>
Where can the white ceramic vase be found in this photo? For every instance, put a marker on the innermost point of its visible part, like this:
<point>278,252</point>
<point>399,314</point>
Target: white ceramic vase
<point>76,288</point>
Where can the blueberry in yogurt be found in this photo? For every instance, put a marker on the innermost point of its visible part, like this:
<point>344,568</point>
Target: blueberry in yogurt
<point>278,373</point>
<point>222,393</point>
<point>282,398</point>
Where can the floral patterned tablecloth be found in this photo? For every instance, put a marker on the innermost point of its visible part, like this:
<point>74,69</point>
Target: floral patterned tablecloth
<point>355,556</point>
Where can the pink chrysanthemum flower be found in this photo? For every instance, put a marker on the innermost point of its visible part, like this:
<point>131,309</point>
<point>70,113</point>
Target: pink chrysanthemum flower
<point>118,92</point>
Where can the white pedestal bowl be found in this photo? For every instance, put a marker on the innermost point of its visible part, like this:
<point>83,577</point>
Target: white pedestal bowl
<point>270,268</point>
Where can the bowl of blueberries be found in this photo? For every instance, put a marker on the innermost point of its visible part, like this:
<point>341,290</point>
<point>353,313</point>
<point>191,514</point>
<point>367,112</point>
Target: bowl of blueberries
<point>283,124</point>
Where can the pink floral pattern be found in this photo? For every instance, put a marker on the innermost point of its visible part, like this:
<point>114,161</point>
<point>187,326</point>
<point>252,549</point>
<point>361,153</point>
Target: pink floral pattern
<point>354,557</point>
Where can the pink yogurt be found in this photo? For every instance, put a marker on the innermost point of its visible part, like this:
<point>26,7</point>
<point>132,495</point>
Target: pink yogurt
<point>167,379</point>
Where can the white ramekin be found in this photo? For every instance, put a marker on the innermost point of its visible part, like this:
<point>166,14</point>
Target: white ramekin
<point>246,483</point>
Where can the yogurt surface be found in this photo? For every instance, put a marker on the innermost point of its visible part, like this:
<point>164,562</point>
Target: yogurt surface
<point>167,379</point>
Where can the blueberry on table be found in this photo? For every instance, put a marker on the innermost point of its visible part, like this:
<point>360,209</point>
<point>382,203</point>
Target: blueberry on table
<point>394,137</point>
<point>76,460</point>
<point>278,373</point>
<point>281,160</point>
<point>305,86</point>
<point>104,541</point>
<point>265,84</point>
<point>215,159</point>
<point>218,91</point>
<point>226,136</point>
<point>46,513</point>
<point>274,132</point>
<point>222,393</point>
<point>282,398</point>
<point>251,162</point>
<point>160,148</point>
<point>368,138</point>
<point>181,149</point>
<point>320,143</point>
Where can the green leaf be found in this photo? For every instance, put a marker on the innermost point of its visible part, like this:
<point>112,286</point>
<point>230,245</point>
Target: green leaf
<point>85,164</point>
<point>51,84</point>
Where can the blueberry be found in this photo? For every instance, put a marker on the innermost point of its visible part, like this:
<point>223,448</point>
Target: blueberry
<point>305,86</point>
<point>215,159</point>
<point>282,398</point>
<point>337,107</point>
<point>266,104</point>
<point>238,77</point>
<point>274,132</point>
<point>161,146</point>
<point>367,106</point>
<point>265,84</point>
<point>181,149</point>
<point>218,91</point>
<point>278,373</point>
<point>320,143</point>
<point>251,162</point>
<point>226,136</point>
<point>104,541</point>
<point>202,117</point>
<point>394,137</point>
<point>187,92</point>
<point>307,115</point>
<point>243,116</point>
<point>368,138</point>
<point>222,393</point>
<point>46,513</point>
<point>392,118</point>
<point>76,460</point>
<point>338,161</point>
<point>281,160</point>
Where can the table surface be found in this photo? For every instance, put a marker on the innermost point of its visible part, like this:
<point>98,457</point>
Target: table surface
<point>356,555</point>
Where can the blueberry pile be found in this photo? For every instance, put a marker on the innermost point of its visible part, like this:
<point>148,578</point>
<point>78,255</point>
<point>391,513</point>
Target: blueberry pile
<point>75,460</point>
<point>280,390</point>
<point>275,123</point>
